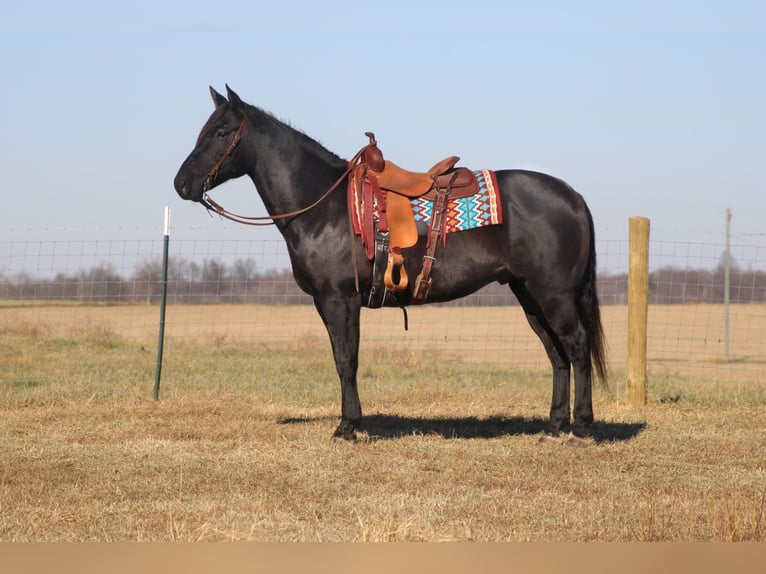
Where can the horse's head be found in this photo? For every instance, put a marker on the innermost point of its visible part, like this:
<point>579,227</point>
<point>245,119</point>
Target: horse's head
<point>214,159</point>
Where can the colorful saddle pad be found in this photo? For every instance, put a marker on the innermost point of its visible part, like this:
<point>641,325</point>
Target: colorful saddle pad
<point>477,210</point>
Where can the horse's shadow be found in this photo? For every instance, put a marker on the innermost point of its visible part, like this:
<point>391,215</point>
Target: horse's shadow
<point>391,427</point>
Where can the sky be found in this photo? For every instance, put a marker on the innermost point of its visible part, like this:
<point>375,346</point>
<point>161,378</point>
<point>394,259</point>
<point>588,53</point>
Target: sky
<point>647,108</point>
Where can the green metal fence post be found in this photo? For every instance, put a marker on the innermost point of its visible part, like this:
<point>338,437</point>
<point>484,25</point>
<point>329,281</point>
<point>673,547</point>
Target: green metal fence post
<point>163,301</point>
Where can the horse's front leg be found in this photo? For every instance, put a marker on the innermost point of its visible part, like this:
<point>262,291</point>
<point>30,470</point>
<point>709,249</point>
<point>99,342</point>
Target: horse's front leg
<point>340,315</point>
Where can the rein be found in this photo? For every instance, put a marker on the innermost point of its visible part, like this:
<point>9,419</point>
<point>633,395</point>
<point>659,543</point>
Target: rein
<point>218,209</point>
<point>215,207</point>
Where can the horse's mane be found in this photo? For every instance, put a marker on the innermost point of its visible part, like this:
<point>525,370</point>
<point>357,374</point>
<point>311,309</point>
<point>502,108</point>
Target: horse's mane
<point>304,141</point>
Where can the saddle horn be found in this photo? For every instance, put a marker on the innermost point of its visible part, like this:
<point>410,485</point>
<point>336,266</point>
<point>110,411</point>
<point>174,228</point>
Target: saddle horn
<point>372,156</point>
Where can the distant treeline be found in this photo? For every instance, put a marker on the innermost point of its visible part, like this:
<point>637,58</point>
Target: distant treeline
<point>214,281</point>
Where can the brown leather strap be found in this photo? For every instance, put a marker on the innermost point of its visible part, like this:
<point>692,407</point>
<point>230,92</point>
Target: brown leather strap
<point>271,219</point>
<point>268,219</point>
<point>435,231</point>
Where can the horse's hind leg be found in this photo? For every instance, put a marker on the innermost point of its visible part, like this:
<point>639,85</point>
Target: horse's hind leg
<point>566,345</point>
<point>559,415</point>
<point>341,318</point>
<point>565,322</point>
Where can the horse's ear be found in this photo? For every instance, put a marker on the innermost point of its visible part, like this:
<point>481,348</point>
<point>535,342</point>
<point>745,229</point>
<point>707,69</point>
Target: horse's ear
<point>218,99</point>
<point>233,97</point>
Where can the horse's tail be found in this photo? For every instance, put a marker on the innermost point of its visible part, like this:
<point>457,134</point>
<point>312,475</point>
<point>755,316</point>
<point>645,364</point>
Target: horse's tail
<point>590,313</point>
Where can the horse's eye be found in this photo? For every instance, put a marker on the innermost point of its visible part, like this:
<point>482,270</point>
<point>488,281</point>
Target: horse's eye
<point>220,133</point>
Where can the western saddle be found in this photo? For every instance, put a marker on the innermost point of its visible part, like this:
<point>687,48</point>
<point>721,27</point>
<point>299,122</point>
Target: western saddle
<point>380,193</point>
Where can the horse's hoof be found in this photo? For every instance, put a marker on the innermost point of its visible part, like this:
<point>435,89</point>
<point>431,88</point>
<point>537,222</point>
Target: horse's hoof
<point>345,432</point>
<point>345,435</point>
<point>550,439</point>
<point>580,442</point>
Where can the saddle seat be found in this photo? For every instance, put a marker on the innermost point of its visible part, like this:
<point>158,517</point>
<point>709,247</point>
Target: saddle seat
<point>414,184</point>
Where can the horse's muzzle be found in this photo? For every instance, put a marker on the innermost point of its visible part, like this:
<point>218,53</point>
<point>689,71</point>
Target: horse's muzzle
<point>184,189</point>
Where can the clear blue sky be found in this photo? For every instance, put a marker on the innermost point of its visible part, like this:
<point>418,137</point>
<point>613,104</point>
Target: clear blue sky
<point>647,108</point>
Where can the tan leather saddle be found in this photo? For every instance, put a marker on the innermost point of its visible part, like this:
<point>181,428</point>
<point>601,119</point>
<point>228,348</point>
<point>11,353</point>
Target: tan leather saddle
<point>383,194</point>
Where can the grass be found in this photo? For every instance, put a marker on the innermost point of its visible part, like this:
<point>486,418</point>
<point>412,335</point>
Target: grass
<point>238,448</point>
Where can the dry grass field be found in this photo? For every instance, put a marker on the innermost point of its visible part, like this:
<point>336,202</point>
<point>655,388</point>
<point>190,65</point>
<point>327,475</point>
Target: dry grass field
<point>683,340</point>
<point>239,448</point>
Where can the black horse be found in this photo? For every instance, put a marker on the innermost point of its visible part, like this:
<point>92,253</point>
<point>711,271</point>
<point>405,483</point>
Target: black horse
<point>544,250</point>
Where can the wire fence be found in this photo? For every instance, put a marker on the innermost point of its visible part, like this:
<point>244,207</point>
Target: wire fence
<point>239,291</point>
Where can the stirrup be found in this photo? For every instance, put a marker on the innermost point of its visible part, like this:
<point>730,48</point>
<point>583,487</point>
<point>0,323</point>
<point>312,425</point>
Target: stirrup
<point>396,275</point>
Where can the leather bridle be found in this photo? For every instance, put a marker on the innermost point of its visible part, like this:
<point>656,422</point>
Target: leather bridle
<point>213,173</point>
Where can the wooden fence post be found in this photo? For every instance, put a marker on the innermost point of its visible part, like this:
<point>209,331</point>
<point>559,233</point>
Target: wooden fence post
<point>638,301</point>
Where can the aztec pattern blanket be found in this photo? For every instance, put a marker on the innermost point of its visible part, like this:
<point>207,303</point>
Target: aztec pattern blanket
<point>478,210</point>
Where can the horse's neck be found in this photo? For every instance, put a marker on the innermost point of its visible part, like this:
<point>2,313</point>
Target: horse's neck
<point>291,171</point>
